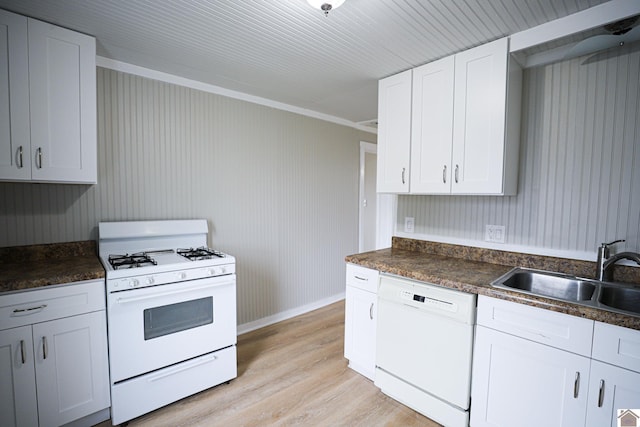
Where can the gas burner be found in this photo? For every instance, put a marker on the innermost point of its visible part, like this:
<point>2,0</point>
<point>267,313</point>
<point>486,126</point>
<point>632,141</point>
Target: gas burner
<point>140,259</point>
<point>199,253</point>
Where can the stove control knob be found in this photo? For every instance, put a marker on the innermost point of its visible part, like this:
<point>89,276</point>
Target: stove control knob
<point>135,283</point>
<point>223,270</point>
<point>150,280</point>
<point>211,272</point>
<point>182,275</point>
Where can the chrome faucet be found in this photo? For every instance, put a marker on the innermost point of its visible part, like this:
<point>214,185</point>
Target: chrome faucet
<point>604,262</point>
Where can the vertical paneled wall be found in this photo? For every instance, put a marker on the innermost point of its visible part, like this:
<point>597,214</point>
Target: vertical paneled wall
<point>579,177</point>
<point>279,190</point>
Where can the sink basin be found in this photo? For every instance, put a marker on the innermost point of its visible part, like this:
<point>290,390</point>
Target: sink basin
<point>547,284</point>
<point>617,298</point>
<point>627,299</point>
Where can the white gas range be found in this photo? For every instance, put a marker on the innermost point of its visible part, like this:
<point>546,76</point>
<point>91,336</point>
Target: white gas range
<point>171,313</point>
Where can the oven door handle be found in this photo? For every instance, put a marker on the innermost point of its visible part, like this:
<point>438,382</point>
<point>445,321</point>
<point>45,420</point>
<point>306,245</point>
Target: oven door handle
<point>126,300</point>
<point>184,367</point>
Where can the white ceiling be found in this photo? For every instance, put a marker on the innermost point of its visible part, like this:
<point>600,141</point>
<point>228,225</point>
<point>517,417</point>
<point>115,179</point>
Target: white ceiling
<point>285,50</point>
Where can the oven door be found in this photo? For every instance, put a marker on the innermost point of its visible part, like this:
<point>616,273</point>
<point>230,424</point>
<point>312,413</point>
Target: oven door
<point>154,327</point>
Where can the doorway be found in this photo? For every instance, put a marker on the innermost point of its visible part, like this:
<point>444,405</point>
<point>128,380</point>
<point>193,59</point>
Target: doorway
<point>377,212</point>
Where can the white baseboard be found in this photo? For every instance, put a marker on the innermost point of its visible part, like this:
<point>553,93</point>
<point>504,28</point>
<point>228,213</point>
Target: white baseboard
<point>288,314</point>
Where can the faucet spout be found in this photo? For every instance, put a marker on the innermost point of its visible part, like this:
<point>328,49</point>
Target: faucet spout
<point>606,270</point>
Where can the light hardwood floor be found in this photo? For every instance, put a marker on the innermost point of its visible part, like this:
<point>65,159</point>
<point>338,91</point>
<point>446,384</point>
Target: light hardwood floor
<point>292,373</point>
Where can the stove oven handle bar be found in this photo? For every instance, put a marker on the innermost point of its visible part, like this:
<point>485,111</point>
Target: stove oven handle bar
<point>126,300</point>
<point>183,367</point>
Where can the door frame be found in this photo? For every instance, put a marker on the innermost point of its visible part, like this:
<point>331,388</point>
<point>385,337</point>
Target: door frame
<point>385,206</point>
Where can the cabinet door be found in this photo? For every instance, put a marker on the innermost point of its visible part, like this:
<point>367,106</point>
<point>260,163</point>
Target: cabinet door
<point>479,119</point>
<point>611,388</point>
<point>18,405</point>
<point>360,330</point>
<point>62,83</point>
<point>15,151</point>
<point>519,382</point>
<point>432,127</point>
<point>394,133</point>
<point>71,368</point>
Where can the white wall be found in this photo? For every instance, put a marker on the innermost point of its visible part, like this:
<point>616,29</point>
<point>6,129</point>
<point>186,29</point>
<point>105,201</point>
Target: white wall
<point>579,178</point>
<point>279,190</point>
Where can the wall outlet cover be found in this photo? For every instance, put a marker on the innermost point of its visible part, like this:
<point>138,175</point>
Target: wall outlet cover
<point>494,233</point>
<point>409,224</point>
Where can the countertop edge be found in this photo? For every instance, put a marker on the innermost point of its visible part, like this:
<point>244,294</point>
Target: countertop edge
<point>391,266</point>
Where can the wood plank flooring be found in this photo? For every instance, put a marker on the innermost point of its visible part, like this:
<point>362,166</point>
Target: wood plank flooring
<point>292,373</point>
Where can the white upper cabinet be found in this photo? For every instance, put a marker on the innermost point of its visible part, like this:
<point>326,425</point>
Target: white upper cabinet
<point>485,140</point>
<point>432,127</point>
<point>394,133</point>
<point>464,127</point>
<point>15,148</point>
<point>49,119</point>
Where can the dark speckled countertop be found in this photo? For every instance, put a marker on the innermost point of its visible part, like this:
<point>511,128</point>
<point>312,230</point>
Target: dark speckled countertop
<point>29,267</point>
<point>472,270</point>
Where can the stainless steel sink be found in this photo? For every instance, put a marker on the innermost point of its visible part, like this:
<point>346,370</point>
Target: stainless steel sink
<point>620,298</point>
<point>548,284</point>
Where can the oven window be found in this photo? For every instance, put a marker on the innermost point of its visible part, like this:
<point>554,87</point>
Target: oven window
<point>172,318</point>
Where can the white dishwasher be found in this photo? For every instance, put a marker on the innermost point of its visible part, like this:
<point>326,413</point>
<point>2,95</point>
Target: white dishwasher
<point>424,348</point>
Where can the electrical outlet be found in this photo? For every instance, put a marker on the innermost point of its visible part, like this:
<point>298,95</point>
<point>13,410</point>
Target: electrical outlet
<point>494,233</point>
<point>409,224</point>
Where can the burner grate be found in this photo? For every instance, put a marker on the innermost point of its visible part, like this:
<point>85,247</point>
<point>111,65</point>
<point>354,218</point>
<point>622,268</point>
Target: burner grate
<point>199,254</point>
<point>141,259</point>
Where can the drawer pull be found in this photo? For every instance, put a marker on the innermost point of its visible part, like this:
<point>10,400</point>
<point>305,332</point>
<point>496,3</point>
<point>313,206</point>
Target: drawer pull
<point>601,394</point>
<point>27,311</point>
<point>45,348</point>
<point>361,278</point>
<point>23,352</point>
<point>576,385</point>
<point>186,366</point>
<point>371,312</point>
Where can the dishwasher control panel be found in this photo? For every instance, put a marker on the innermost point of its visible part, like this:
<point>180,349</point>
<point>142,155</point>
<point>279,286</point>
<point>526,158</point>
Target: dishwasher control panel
<point>428,301</point>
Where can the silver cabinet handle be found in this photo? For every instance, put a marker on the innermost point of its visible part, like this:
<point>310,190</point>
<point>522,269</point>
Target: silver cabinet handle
<point>601,394</point>
<point>45,348</point>
<point>23,352</point>
<point>576,385</point>
<point>39,154</point>
<point>444,174</point>
<point>371,312</point>
<point>403,175</point>
<point>27,311</point>
<point>457,170</point>
<point>361,278</point>
<point>20,163</point>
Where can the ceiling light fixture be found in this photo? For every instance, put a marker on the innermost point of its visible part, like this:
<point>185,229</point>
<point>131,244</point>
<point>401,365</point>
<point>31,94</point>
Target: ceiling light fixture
<point>326,5</point>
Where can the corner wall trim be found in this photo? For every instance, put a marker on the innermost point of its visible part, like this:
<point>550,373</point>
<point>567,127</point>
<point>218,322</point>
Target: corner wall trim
<point>125,67</point>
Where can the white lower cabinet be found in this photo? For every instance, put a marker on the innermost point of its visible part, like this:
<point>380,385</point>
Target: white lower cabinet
<point>17,378</point>
<point>535,367</point>
<point>361,309</point>
<point>54,367</point>
<point>611,388</point>
<point>523,383</point>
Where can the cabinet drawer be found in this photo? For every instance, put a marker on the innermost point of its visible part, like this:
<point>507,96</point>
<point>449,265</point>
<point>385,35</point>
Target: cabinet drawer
<point>363,278</point>
<point>43,304</point>
<point>616,345</point>
<point>557,330</point>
